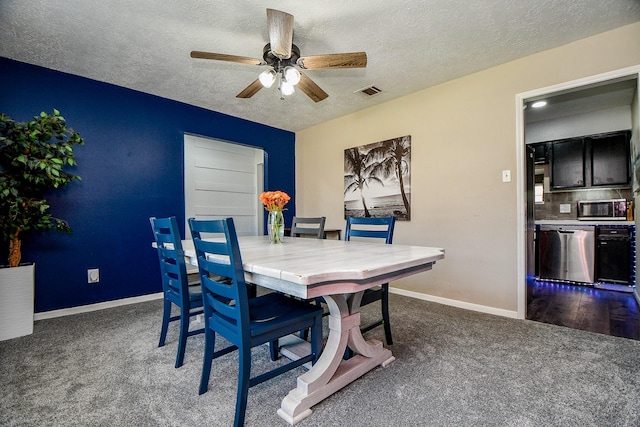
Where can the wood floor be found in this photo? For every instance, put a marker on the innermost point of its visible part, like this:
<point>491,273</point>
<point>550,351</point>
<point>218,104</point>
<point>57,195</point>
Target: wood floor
<point>584,307</point>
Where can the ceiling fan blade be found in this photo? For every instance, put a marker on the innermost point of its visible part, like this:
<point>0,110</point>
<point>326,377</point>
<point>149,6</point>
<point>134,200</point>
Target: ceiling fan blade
<point>311,89</point>
<point>280,25</point>
<point>334,60</point>
<point>250,90</point>
<point>223,57</point>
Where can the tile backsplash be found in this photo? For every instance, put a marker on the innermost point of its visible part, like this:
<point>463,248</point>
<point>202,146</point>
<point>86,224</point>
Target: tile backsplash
<point>555,203</point>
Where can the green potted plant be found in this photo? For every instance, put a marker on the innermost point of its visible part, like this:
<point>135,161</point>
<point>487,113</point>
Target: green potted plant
<point>33,158</point>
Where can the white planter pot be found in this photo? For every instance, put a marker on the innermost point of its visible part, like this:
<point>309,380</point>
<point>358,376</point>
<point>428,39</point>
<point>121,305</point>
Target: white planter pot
<point>16,301</point>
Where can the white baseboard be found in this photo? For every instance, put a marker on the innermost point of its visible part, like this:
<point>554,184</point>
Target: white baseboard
<point>94,307</point>
<point>125,301</point>
<point>456,303</point>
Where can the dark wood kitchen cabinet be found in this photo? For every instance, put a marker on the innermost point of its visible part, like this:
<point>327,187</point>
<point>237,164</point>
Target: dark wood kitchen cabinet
<point>567,163</point>
<point>541,153</point>
<point>593,161</point>
<point>610,163</point>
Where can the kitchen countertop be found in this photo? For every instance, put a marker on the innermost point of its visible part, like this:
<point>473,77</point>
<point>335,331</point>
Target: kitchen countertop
<point>578,222</point>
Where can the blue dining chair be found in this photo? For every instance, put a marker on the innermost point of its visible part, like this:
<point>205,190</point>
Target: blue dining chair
<point>175,283</point>
<point>381,229</point>
<point>309,227</point>
<point>245,323</point>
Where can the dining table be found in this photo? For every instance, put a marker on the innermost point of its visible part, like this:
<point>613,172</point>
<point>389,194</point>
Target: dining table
<point>338,271</point>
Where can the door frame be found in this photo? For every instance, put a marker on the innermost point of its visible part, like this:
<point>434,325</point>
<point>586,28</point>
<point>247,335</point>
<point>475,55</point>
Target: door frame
<point>521,182</point>
<point>259,160</point>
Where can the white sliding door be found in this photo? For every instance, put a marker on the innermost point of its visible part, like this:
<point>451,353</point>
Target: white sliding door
<point>223,180</point>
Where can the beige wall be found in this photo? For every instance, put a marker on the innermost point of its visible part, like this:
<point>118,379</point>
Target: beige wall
<point>463,135</point>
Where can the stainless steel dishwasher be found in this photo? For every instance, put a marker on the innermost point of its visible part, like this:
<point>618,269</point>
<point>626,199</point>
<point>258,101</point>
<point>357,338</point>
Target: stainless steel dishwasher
<point>567,253</point>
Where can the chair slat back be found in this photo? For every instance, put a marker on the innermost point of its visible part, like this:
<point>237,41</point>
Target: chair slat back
<point>301,226</point>
<point>171,255</point>
<point>380,228</point>
<point>226,303</point>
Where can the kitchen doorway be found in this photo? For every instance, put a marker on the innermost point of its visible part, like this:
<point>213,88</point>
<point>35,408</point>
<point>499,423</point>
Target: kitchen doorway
<point>526,219</point>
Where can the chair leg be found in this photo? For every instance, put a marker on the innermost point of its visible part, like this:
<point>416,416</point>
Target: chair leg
<point>274,350</point>
<point>304,334</point>
<point>184,333</point>
<point>244,374</point>
<point>316,339</point>
<point>166,315</point>
<point>252,290</point>
<point>385,314</point>
<point>348,354</point>
<point>209,345</point>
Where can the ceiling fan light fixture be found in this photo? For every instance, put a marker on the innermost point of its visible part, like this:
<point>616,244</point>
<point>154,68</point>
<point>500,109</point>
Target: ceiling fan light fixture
<point>267,77</point>
<point>283,59</point>
<point>291,75</point>
<point>286,88</point>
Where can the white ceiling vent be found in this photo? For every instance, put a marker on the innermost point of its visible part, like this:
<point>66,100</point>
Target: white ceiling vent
<point>369,90</point>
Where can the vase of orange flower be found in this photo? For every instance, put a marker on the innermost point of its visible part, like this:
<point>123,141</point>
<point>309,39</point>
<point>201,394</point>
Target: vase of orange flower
<point>274,202</point>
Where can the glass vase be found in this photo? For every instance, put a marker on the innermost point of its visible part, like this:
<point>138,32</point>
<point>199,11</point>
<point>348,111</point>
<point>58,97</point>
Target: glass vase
<point>275,226</point>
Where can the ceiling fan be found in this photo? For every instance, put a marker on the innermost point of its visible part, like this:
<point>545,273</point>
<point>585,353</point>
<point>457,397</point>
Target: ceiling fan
<point>282,57</point>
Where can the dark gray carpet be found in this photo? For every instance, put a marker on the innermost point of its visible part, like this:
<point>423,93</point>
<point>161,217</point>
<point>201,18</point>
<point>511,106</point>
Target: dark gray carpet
<point>453,368</point>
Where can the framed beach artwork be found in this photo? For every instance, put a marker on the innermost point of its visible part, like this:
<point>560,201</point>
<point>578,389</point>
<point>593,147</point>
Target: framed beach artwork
<point>377,179</point>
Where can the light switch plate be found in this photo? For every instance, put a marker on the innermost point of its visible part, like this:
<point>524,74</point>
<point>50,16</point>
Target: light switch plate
<point>506,175</point>
<point>565,208</point>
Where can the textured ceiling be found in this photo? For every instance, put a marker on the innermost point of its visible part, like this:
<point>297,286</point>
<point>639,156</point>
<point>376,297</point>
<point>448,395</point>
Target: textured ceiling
<point>411,45</point>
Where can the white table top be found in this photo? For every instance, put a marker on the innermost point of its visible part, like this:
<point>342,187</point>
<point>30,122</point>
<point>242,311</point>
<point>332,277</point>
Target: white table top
<point>314,267</point>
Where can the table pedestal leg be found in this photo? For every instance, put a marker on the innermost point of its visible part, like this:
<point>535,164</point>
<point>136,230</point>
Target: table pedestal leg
<point>331,372</point>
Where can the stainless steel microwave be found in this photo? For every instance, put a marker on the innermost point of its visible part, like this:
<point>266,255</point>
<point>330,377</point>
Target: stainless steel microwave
<point>615,209</point>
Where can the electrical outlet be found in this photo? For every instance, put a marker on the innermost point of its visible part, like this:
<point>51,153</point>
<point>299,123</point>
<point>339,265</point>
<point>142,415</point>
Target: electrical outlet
<point>93,275</point>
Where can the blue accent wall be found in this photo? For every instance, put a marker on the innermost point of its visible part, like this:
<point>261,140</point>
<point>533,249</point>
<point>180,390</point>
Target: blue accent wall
<point>132,168</point>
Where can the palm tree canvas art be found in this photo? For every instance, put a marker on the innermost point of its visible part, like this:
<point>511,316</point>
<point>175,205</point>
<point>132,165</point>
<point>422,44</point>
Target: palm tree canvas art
<point>377,179</point>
